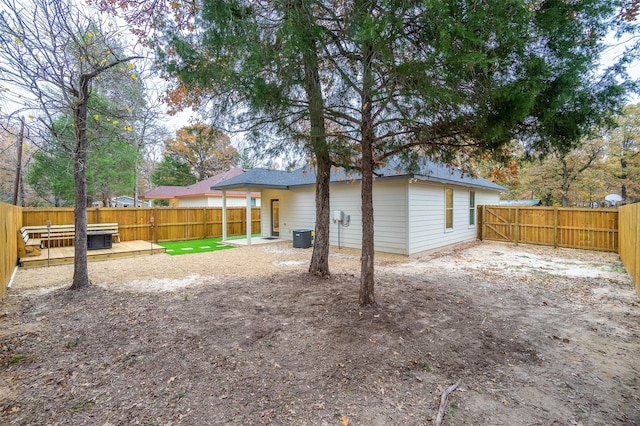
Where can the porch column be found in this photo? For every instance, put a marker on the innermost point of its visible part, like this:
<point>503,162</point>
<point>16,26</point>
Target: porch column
<point>224,215</point>
<point>248,217</point>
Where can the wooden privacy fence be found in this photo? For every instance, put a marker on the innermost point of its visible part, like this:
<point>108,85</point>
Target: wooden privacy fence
<point>168,224</point>
<point>11,221</point>
<point>630,241</point>
<point>591,229</point>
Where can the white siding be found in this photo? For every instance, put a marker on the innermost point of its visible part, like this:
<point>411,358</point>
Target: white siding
<point>427,215</point>
<point>391,210</point>
<point>345,197</point>
<point>487,198</point>
<point>297,210</point>
<point>195,202</point>
<point>389,218</point>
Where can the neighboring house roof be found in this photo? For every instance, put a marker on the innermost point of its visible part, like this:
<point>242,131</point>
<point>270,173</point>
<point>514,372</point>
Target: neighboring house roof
<point>198,189</point>
<point>426,171</point>
<point>163,192</point>
<point>532,202</point>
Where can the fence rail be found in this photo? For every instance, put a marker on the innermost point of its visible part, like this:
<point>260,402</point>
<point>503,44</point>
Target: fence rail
<point>630,241</point>
<point>168,224</point>
<point>592,229</point>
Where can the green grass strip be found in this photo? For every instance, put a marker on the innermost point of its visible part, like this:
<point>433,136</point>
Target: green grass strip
<point>194,246</point>
<point>199,246</point>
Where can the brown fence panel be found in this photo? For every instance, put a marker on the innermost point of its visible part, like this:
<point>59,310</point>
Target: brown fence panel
<point>155,224</point>
<point>496,224</point>
<point>57,216</point>
<point>11,223</point>
<point>535,226</point>
<point>256,223</point>
<point>133,224</point>
<point>174,224</point>
<point>630,241</point>
<point>588,229</point>
<point>592,229</point>
<point>214,222</point>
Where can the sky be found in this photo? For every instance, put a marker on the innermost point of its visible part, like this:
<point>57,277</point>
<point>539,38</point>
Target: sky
<point>613,53</point>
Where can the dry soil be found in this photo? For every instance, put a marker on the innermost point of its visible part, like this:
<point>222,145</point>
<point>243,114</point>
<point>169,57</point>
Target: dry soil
<point>535,335</point>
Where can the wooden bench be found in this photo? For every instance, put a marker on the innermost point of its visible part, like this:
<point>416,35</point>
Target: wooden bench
<point>56,235</point>
<point>28,246</point>
<point>63,235</point>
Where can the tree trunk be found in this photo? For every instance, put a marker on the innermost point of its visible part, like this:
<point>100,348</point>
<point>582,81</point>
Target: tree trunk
<point>135,181</point>
<point>18,182</point>
<point>623,177</point>
<point>367,296</point>
<point>320,257</point>
<point>565,184</point>
<point>80,267</point>
<point>308,44</point>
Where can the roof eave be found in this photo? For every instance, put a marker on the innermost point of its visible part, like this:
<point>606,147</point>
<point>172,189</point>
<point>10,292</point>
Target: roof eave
<point>459,183</point>
<point>157,197</point>
<point>244,187</point>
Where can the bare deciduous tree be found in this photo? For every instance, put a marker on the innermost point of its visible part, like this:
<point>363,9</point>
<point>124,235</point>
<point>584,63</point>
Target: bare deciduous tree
<point>53,52</point>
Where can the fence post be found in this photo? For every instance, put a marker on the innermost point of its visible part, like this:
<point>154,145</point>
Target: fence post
<point>155,225</point>
<point>516,228</point>
<point>204,222</point>
<point>481,222</point>
<point>555,227</point>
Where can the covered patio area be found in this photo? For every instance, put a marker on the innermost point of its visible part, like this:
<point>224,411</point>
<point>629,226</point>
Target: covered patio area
<point>252,241</point>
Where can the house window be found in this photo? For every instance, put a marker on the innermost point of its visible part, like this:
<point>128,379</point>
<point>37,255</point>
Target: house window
<point>448,208</point>
<point>253,202</point>
<point>472,207</point>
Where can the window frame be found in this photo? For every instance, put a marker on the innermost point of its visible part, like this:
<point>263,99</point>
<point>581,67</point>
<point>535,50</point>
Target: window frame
<point>448,209</point>
<point>472,209</point>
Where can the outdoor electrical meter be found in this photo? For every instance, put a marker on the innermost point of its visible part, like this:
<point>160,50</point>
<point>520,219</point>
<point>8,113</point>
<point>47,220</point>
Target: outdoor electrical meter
<point>338,216</point>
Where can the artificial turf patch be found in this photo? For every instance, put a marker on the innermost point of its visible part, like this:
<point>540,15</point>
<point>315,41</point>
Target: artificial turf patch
<point>194,246</point>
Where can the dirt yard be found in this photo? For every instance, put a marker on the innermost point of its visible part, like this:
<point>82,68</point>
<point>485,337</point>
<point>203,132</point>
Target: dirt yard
<point>536,336</point>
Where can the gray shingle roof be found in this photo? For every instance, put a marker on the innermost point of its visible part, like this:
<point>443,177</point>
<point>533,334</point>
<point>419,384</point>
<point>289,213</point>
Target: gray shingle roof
<point>279,179</point>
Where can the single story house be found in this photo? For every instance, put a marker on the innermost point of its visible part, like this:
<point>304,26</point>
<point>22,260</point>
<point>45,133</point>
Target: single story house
<point>200,193</point>
<point>127,201</point>
<point>413,211</point>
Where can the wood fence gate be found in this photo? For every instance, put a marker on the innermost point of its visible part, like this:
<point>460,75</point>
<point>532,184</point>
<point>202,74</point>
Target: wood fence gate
<point>593,229</point>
